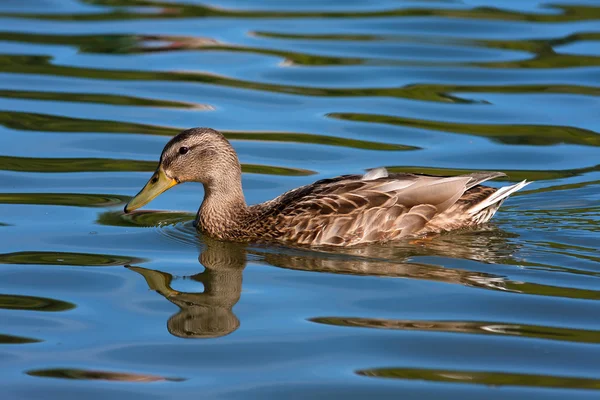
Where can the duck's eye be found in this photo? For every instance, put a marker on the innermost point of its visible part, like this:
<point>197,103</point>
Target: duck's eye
<point>183,150</point>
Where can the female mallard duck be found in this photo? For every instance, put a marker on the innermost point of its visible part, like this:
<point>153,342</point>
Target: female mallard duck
<point>342,211</point>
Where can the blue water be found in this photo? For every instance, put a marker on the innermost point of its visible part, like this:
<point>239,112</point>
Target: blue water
<point>97,304</point>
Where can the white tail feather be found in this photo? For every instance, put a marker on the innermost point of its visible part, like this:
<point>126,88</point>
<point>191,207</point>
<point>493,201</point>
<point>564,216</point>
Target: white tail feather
<point>375,173</point>
<point>497,196</point>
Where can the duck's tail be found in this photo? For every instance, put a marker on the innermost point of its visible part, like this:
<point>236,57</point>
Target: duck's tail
<point>490,204</point>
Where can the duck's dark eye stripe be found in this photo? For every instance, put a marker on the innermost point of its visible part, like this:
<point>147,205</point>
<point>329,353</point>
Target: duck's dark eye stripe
<point>183,150</point>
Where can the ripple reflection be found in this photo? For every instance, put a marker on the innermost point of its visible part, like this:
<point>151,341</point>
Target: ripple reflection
<point>478,327</point>
<point>209,314</point>
<point>83,374</point>
<point>483,378</point>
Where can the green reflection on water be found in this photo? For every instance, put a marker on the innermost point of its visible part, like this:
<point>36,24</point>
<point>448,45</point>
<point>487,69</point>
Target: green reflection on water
<point>118,100</point>
<point>168,9</point>
<point>110,44</point>
<point>547,60</point>
<point>53,165</point>
<point>85,374</point>
<point>54,123</point>
<point>322,36</point>
<point>65,199</point>
<point>41,65</point>
<point>32,303</point>
<point>537,135</point>
<point>532,46</point>
<point>543,49</point>
<point>143,218</point>
<point>553,291</point>
<point>316,139</point>
<point>130,44</point>
<point>30,164</point>
<point>545,55</point>
<point>566,186</point>
<point>483,378</point>
<point>11,339</point>
<point>291,57</point>
<point>435,92</point>
<point>273,170</point>
<point>470,327</point>
<point>62,258</point>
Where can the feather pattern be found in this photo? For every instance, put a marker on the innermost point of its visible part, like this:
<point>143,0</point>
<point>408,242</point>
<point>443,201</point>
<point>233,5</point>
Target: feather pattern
<point>377,207</point>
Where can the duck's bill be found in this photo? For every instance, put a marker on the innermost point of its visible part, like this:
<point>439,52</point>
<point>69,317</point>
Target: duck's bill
<point>155,186</point>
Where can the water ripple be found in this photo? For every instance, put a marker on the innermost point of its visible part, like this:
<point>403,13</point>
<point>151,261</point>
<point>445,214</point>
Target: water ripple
<point>91,90</point>
<point>491,378</point>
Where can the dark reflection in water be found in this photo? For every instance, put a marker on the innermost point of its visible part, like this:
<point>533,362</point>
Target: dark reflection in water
<point>33,303</point>
<point>54,123</point>
<point>83,374</point>
<point>478,327</point>
<point>486,244</point>
<point>63,258</point>
<point>166,9</point>
<point>64,199</point>
<point>517,134</point>
<point>71,165</point>
<point>95,98</point>
<point>412,270</point>
<point>542,51</point>
<point>484,378</point>
<point>208,314</point>
<point>143,218</point>
<point>12,339</point>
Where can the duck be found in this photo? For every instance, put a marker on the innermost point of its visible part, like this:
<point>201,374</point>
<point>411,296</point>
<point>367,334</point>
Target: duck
<point>347,210</point>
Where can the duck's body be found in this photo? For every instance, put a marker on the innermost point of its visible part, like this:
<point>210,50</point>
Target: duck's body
<point>343,211</point>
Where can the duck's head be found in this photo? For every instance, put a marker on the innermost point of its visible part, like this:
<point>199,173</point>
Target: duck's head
<point>195,155</point>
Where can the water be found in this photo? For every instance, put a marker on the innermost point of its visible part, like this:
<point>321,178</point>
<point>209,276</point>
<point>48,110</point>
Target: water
<point>99,304</point>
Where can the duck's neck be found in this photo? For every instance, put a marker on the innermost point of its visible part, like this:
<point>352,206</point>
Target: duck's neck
<point>224,206</point>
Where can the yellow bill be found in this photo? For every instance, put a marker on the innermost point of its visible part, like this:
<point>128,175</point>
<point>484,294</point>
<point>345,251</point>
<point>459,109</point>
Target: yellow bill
<point>155,186</point>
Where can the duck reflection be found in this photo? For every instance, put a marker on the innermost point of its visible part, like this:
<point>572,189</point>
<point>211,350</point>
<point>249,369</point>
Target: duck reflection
<point>209,314</point>
<point>491,246</point>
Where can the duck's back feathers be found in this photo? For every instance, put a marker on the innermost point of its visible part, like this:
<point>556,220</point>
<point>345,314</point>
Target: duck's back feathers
<point>376,207</point>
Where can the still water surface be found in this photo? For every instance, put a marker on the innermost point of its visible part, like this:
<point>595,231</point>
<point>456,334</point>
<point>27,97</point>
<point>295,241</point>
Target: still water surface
<point>97,304</point>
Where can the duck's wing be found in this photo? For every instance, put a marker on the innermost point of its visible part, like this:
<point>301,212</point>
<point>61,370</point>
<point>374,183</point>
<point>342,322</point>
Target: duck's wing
<point>355,209</point>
